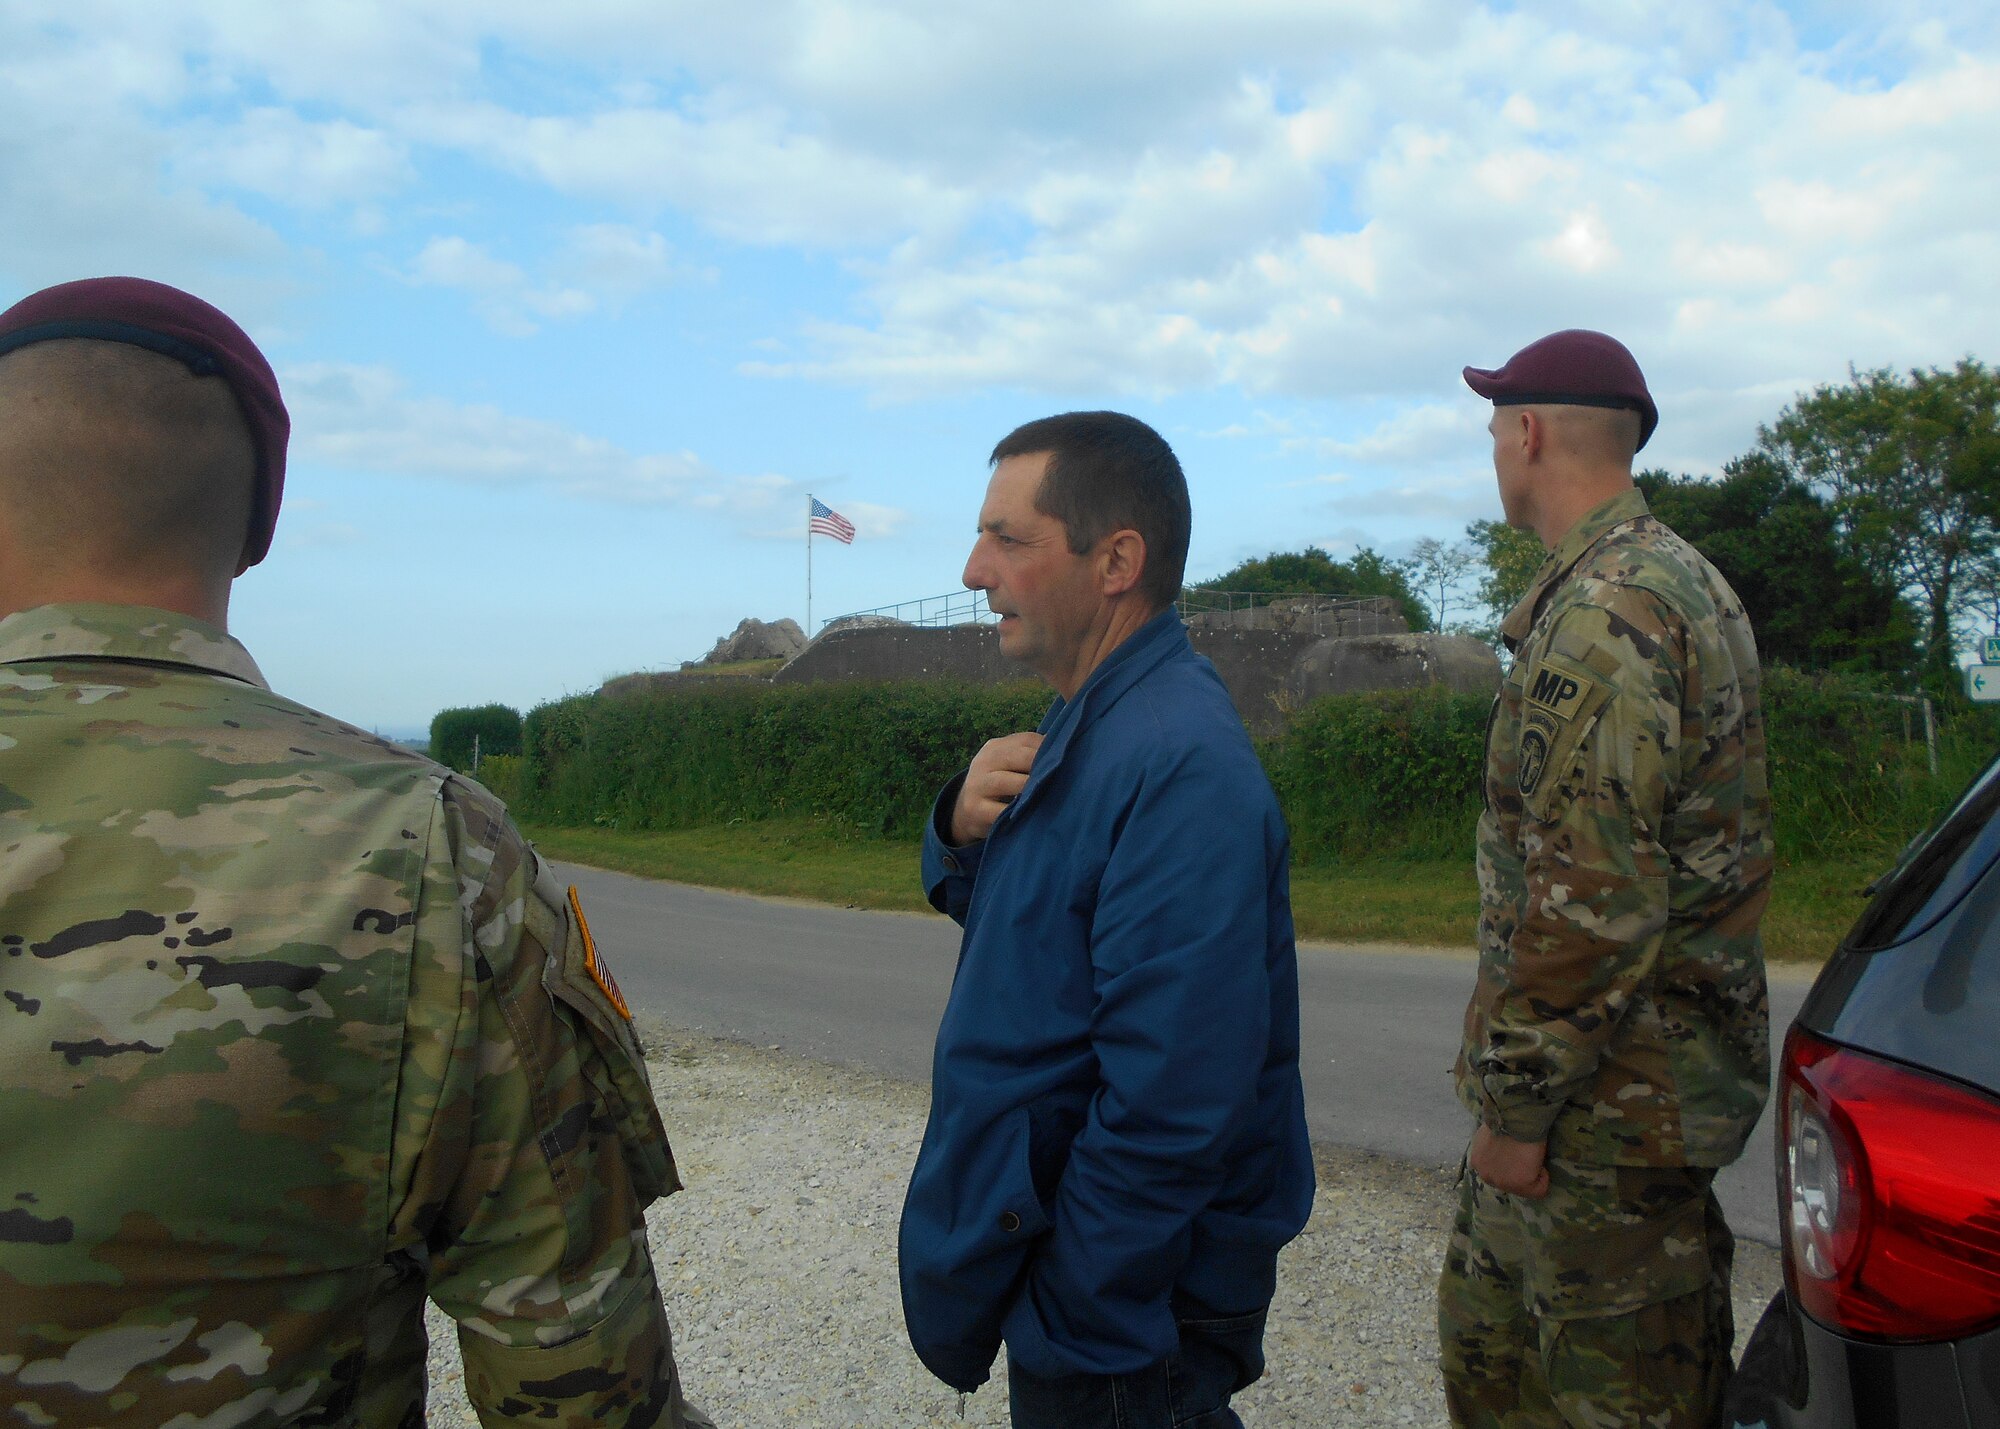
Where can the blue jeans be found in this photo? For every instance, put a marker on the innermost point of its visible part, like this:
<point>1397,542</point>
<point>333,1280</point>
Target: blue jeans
<point>1189,1389</point>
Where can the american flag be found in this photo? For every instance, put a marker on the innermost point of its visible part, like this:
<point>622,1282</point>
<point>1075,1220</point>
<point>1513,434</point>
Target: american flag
<point>828,522</point>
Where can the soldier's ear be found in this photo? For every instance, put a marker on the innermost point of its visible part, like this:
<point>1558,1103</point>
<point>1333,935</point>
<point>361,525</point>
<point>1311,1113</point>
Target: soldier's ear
<point>1534,432</point>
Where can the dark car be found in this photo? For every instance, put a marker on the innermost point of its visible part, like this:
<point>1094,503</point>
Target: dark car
<point>1888,1139</point>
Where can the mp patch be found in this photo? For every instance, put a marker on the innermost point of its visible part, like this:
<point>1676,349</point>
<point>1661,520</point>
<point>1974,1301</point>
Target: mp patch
<point>1558,689</point>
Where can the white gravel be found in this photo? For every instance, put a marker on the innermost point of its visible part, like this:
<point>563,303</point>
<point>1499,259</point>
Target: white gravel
<point>779,1263</point>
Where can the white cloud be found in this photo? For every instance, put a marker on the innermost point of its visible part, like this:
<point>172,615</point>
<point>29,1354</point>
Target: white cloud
<point>1415,435</point>
<point>500,290</point>
<point>1701,214</point>
<point>1327,478</point>
<point>1319,200</point>
<point>1430,500</point>
<point>600,265</point>
<point>85,167</point>
<point>363,418</point>
<point>620,261</point>
<point>872,520</point>
<point>744,169</point>
<point>306,164</point>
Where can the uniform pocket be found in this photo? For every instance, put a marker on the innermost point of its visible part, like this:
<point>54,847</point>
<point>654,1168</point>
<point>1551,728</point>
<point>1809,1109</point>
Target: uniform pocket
<point>1608,1240</point>
<point>610,1055</point>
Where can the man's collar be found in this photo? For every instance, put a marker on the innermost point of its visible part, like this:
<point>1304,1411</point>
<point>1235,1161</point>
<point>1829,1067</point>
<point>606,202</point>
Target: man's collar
<point>124,632</point>
<point>1625,506</point>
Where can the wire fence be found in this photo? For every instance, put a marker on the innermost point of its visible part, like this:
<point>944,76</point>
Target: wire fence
<point>968,607</point>
<point>962,607</point>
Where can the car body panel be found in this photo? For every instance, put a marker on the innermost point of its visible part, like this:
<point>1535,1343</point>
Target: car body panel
<point>1932,1002</point>
<point>1829,1382</point>
<point>1917,981</point>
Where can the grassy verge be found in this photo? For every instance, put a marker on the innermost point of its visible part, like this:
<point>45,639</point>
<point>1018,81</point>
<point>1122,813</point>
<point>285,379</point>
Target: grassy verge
<point>790,858</point>
<point>1431,904</point>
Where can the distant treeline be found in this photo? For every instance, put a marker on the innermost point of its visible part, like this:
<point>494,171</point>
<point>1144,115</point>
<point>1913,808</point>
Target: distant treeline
<point>1392,775</point>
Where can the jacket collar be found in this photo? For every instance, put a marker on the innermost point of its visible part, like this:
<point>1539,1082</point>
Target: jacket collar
<point>1145,650</point>
<point>1597,523</point>
<point>124,632</point>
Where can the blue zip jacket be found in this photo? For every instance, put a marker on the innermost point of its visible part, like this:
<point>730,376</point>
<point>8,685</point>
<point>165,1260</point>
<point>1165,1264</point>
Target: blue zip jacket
<point>1116,1115</point>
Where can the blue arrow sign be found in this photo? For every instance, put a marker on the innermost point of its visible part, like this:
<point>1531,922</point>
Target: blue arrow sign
<point>1982,683</point>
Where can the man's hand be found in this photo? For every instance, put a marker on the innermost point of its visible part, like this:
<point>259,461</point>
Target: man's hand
<point>998,773</point>
<point>1517,1167</point>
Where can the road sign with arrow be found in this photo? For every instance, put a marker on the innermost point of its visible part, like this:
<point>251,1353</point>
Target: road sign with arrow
<point>1982,683</point>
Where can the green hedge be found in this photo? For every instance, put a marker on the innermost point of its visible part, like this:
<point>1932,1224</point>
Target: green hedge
<point>1382,775</point>
<point>497,729</point>
<point>1850,773</point>
<point>1395,773</point>
<point>864,756</point>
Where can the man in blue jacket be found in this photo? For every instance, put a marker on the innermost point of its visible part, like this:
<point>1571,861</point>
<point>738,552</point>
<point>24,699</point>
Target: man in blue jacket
<point>1117,1143</point>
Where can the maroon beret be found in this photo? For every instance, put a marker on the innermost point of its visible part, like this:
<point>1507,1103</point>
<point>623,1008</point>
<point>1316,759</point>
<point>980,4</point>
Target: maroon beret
<point>1573,368</point>
<point>183,327</point>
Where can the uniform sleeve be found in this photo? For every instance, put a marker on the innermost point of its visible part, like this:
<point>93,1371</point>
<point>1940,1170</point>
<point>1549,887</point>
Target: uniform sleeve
<point>1600,750</point>
<point>532,1198</point>
<point>1182,1028</point>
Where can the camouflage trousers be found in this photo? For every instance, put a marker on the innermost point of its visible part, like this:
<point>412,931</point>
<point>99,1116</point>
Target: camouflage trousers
<point>1603,1306</point>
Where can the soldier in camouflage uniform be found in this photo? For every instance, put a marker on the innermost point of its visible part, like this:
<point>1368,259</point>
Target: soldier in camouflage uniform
<point>297,1028</point>
<point>1617,1046</point>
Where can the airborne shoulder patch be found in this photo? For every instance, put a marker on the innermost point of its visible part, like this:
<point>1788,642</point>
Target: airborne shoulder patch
<point>1534,757</point>
<point>1558,687</point>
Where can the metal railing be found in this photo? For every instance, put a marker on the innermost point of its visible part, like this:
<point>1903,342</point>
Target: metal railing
<point>968,607</point>
<point>1328,612</point>
<point>964,607</point>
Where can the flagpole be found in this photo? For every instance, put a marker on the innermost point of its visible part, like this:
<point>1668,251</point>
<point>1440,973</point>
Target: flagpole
<point>809,568</point>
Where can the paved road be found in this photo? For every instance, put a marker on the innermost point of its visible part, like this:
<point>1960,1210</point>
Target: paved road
<point>867,989</point>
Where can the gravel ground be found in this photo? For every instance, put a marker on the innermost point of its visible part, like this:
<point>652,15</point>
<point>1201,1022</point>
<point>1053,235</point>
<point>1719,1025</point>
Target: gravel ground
<point>779,1263</point>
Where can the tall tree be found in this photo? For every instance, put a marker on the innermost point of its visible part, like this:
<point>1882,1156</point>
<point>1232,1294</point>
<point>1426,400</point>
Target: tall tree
<point>1813,602</point>
<point>1912,468</point>
<point>1438,572</point>
<point>1511,559</point>
<point>1315,572</point>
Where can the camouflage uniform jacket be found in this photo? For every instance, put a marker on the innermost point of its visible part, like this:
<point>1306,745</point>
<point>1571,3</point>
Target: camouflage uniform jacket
<point>1624,860</point>
<point>295,1030</point>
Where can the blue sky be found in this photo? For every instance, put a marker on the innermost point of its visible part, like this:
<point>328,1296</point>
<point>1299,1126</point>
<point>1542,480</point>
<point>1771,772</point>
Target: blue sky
<point>574,304</point>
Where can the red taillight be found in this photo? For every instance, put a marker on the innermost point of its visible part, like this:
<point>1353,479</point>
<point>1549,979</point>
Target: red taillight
<point>1889,1180</point>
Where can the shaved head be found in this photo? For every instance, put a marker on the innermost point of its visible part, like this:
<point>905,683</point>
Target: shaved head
<point>1596,436</point>
<point>1557,460</point>
<point>118,463</point>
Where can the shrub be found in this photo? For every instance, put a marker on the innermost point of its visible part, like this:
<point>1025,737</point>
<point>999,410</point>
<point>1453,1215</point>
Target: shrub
<point>1394,774</point>
<point>1388,775</point>
<point>865,756</point>
<point>496,728</point>
<point>502,775</point>
<point>1850,771</point>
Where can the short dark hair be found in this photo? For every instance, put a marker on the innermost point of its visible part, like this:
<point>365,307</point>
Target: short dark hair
<point>1110,472</point>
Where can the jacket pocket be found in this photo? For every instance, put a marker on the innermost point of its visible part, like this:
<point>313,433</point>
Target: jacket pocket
<point>1052,1129</point>
<point>970,1226</point>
